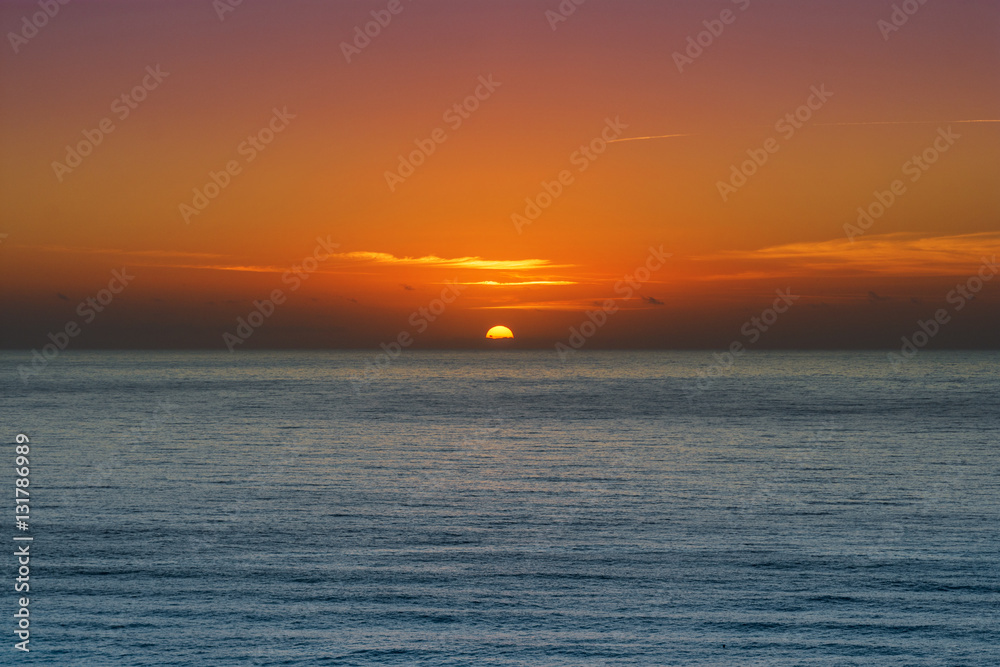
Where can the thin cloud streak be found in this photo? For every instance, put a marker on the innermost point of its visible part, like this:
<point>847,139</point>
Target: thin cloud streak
<point>224,267</point>
<point>911,122</point>
<point>377,258</point>
<point>891,254</point>
<point>876,122</point>
<point>458,262</point>
<point>494,283</point>
<point>120,251</point>
<point>658,136</point>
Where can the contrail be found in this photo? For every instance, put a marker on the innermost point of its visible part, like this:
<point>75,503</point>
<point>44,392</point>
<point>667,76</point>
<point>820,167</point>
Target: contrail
<point>659,136</point>
<point>912,122</point>
<point>876,122</point>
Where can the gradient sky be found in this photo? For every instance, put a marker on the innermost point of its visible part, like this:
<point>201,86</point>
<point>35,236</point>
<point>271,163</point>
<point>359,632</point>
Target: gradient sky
<point>323,176</point>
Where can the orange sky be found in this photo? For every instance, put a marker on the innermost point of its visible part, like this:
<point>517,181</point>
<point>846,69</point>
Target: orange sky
<point>608,68</point>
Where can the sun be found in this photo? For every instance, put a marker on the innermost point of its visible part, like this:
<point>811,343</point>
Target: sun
<point>499,331</point>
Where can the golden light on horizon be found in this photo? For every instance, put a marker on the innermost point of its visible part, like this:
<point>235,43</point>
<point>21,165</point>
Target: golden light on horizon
<point>499,331</point>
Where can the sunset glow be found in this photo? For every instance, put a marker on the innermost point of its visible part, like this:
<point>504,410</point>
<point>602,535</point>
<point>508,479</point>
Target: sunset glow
<point>533,178</point>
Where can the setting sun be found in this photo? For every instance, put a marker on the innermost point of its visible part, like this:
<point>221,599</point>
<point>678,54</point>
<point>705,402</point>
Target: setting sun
<point>499,331</point>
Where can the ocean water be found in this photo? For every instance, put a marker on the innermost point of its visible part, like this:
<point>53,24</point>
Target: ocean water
<point>508,509</point>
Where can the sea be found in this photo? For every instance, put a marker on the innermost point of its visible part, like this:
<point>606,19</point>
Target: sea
<point>505,507</point>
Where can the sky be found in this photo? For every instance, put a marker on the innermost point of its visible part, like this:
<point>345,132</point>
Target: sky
<point>661,171</point>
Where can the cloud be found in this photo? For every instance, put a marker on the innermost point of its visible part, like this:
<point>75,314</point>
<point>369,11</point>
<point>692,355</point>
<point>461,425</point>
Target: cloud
<point>457,262</point>
<point>120,251</point>
<point>168,259</point>
<point>521,283</point>
<point>875,298</point>
<point>902,254</point>
<point>569,305</point>
<point>572,305</point>
<point>385,259</point>
<point>221,267</point>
